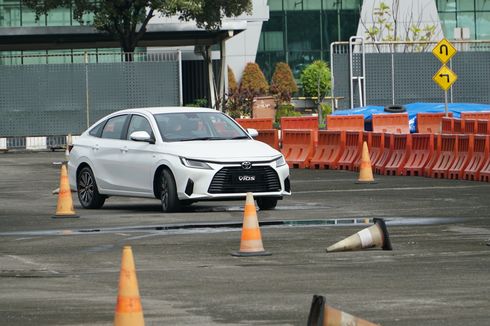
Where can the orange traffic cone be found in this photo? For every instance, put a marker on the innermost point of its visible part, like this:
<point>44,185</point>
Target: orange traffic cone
<point>365,169</point>
<point>374,236</point>
<point>128,308</point>
<point>65,202</point>
<point>251,242</point>
<point>322,314</point>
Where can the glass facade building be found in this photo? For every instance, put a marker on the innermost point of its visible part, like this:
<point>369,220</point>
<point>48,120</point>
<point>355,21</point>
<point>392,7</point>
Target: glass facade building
<point>472,14</point>
<point>300,31</point>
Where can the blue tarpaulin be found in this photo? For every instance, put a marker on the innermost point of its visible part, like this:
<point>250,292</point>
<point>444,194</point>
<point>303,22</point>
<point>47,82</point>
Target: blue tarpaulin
<point>413,108</point>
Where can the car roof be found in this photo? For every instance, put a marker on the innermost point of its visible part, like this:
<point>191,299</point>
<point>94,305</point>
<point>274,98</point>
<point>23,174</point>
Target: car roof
<point>168,109</point>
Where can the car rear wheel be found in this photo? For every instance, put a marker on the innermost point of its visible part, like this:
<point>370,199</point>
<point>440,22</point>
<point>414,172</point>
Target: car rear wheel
<point>168,192</point>
<point>88,193</point>
<point>266,203</point>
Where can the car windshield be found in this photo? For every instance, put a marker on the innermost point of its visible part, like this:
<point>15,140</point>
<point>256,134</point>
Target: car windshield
<point>189,126</point>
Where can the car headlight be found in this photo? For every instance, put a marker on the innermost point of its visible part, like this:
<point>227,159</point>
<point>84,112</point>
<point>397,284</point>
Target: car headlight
<point>280,161</point>
<point>195,164</point>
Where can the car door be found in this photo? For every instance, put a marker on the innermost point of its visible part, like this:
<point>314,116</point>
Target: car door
<point>138,158</point>
<point>107,154</point>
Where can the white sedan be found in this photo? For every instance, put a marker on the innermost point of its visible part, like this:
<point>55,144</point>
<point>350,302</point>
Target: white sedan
<point>176,154</point>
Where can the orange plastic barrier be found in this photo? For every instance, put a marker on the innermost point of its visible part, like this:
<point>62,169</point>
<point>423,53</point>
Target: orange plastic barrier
<point>299,123</point>
<point>402,146</point>
<point>463,157</point>
<point>481,149</point>
<point>447,156</point>
<point>458,126</point>
<point>420,155</point>
<point>396,123</point>
<point>297,147</point>
<point>353,122</point>
<point>485,115</point>
<point>310,123</point>
<point>379,166</point>
<point>485,171</point>
<point>330,147</point>
<point>430,122</point>
<point>483,127</point>
<point>470,126</point>
<point>256,123</point>
<point>447,125</point>
<point>269,136</point>
<point>352,150</point>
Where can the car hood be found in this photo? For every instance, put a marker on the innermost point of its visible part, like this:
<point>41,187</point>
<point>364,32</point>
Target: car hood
<point>223,150</point>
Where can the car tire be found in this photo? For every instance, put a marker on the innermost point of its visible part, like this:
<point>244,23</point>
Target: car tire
<point>168,192</point>
<point>266,203</point>
<point>88,193</point>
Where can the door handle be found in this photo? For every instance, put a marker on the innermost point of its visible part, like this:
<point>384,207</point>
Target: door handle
<point>95,147</point>
<point>124,149</point>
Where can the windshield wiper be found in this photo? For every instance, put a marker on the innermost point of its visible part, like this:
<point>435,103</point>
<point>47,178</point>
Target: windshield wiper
<point>240,137</point>
<point>202,138</point>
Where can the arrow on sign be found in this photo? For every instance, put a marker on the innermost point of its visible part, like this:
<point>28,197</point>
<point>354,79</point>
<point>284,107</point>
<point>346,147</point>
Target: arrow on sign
<point>445,75</point>
<point>443,46</point>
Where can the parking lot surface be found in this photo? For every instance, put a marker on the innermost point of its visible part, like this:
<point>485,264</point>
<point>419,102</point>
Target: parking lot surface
<point>65,271</point>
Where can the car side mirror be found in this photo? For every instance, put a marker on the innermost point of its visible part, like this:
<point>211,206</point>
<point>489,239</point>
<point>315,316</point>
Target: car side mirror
<point>142,136</point>
<point>252,132</point>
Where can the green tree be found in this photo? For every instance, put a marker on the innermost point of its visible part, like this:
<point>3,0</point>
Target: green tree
<point>316,81</point>
<point>127,19</point>
<point>283,83</point>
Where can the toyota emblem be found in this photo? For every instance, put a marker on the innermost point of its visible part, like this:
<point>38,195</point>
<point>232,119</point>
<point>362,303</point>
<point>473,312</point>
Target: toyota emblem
<point>246,165</point>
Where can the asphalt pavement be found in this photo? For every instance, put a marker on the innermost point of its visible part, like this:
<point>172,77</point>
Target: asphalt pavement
<point>65,271</point>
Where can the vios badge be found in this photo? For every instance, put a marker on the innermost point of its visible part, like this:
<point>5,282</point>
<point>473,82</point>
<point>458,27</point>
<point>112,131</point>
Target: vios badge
<point>246,165</point>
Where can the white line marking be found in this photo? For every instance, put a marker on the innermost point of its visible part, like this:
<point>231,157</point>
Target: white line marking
<point>386,189</point>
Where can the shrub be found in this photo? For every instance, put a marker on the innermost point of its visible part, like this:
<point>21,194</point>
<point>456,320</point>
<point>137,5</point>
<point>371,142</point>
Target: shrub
<point>232,84</point>
<point>285,110</point>
<point>283,83</point>
<point>253,80</point>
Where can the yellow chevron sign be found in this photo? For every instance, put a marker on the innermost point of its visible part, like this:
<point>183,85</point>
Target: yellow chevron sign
<point>444,50</point>
<point>445,77</point>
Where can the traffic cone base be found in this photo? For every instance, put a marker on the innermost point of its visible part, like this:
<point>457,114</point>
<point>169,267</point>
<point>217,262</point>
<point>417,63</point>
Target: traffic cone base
<point>129,311</point>
<point>373,236</point>
<point>365,168</point>
<point>251,239</point>
<point>64,208</point>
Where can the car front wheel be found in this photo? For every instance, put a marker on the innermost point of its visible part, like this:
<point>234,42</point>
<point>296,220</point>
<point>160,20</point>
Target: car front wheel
<point>168,192</point>
<point>266,203</point>
<point>88,193</point>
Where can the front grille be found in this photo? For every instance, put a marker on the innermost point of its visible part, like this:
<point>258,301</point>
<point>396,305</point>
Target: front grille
<point>237,180</point>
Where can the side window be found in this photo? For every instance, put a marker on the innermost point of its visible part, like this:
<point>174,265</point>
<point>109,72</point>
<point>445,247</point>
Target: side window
<point>114,127</point>
<point>96,130</point>
<point>138,123</point>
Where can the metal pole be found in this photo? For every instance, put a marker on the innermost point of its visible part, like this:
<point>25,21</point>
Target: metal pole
<point>332,77</point>
<point>445,103</point>
<point>392,79</point>
<point>86,90</point>
<point>181,92</point>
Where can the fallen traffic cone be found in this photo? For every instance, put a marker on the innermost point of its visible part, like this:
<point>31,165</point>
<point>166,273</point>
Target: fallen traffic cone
<point>374,236</point>
<point>251,242</point>
<point>64,207</point>
<point>128,307</point>
<point>322,314</point>
<point>365,168</point>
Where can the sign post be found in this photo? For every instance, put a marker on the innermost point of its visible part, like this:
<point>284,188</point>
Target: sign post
<point>444,77</point>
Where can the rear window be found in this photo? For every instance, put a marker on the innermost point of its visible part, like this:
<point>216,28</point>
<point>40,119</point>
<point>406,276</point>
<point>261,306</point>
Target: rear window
<point>95,131</point>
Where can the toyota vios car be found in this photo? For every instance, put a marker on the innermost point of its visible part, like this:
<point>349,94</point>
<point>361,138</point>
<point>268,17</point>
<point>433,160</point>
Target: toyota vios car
<point>178,155</point>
